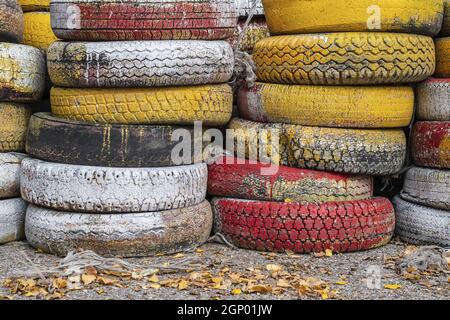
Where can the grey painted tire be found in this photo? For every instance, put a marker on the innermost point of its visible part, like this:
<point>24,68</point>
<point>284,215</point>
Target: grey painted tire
<point>433,100</point>
<point>102,189</point>
<point>11,21</point>
<point>22,73</point>
<point>126,235</point>
<point>429,187</point>
<point>10,174</point>
<point>139,63</point>
<point>421,225</point>
<point>12,219</point>
<point>245,7</point>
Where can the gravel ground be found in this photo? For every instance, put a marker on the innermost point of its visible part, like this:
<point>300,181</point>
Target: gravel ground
<point>226,273</point>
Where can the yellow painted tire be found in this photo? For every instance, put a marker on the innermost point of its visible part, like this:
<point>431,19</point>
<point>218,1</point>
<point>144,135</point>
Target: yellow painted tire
<point>445,31</point>
<point>316,16</point>
<point>14,118</point>
<point>37,30</point>
<point>211,104</point>
<point>34,5</point>
<point>352,58</point>
<point>443,57</point>
<point>328,106</point>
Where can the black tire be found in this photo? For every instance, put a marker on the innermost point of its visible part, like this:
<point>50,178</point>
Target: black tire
<point>65,141</point>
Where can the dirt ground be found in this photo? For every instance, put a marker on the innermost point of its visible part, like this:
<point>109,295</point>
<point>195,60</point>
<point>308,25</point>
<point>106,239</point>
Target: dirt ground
<point>221,272</point>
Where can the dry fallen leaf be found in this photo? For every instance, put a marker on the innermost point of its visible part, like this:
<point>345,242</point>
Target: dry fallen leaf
<point>341,282</point>
<point>60,283</point>
<point>154,278</point>
<point>392,286</point>
<point>236,292</point>
<point>183,284</point>
<point>259,288</point>
<point>87,279</point>
<point>178,256</point>
<point>105,281</point>
<point>283,283</point>
<point>328,253</point>
<point>274,267</point>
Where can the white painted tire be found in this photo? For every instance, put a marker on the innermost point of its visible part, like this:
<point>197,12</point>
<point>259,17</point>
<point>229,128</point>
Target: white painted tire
<point>139,63</point>
<point>433,100</point>
<point>102,189</point>
<point>10,174</point>
<point>421,225</point>
<point>22,73</point>
<point>126,235</point>
<point>245,7</point>
<point>12,219</point>
<point>429,187</point>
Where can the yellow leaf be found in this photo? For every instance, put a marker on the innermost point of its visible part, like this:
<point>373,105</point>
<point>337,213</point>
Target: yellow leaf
<point>154,286</point>
<point>236,292</point>
<point>259,289</point>
<point>199,250</point>
<point>154,278</point>
<point>183,284</point>
<point>392,286</point>
<point>217,280</point>
<point>288,200</point>
<point>178,256</point>
<point>341,282</point>
<point>87,279</point>
<point>105,281</point>
<point>60,283</point>
<point>274,267</point>
<point>328,252</point>
<point>283,283</point>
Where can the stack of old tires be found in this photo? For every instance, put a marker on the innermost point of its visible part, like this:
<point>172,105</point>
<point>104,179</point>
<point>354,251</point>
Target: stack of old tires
<point>131,78</point>
<point>333,93</point>
<point>423,207</point>
<point>22,71</point>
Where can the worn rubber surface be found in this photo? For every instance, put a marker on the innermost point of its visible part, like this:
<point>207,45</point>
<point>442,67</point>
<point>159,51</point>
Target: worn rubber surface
<point>22,73</point>
<point>71,142</point>
<point>14,120</point>
<point>102,189</point>
<point>256,30</point>
<point>211,104</point>
<point>430,144</point>
<point>433,100</point>
<point>275,226</point>
<point>126,235</point>
<point>442,57</point>
<point>10,174</point>
<point>245,7</point>
<point>352,58</point>
<point>12,219</point>
<point>445,31</point>
<point>114,20</point>
<point>429,187</point>
<point>421,225</point>
<point>139,63</point>
<point>328,106</point>
<point>11,21</point>
<point>317,16</point>
<point>34,5</point>
<point>37,30</point>
<point>238,178</point>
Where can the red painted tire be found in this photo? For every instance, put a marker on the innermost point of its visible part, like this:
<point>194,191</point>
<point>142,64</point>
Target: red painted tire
<point>430,144</point>
<point>229,178</point>
<point>143,20</point>
<point>276,226</point>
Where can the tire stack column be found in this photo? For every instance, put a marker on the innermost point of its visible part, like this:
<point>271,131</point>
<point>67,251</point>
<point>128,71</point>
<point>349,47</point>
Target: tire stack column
<point>130,79</point>
<point>423,207</point>
<point>333,83</point>
<point>22,74</point>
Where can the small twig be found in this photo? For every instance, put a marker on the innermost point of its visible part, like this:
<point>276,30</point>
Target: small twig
<point>222,240</point>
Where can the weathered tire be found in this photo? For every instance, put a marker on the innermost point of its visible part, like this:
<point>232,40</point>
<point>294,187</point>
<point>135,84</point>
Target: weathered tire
<point>34,5</point>
<point>245,7</point>
<point>302,228</point>
<point>11,21</point>
<point>126,235</point>
<point>114,20</point>
<point>65,141</point>
<point>22,73</point>
<point>10,174</point>
<point>421,225</point>
<point>445,31</point>
<point>139,63</point>
<point>37,30</point>
<point>328,106</point>
<point>429,187</point>
<point>256,30</point>
<point>430,144</point>
<point>14,119</point>
<point>345,58</point>
<point>433,100</point>
<point>442,57</point>
<point>245,180</point>
<point>12,219</point>
<point>318,16</point>
<point>211,104</point>
<point>101,189</point>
